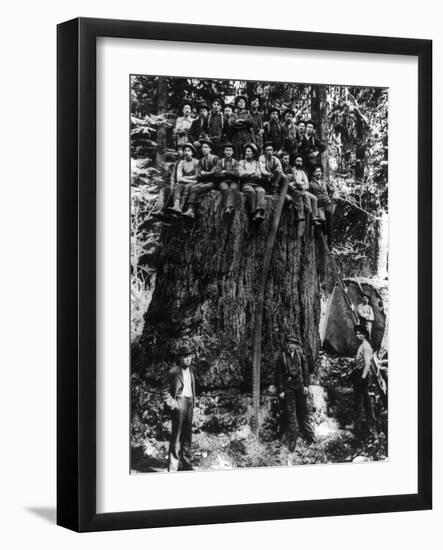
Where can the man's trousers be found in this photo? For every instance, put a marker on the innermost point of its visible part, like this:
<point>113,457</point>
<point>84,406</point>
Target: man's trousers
<point>255,197</point>
<point>181,435</point>
<point>297,411</point>
<point>229,191</point>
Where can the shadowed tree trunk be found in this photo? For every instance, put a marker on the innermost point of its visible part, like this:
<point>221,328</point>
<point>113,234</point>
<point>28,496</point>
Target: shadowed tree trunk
<point>162,107</point>
<point>208,273</point>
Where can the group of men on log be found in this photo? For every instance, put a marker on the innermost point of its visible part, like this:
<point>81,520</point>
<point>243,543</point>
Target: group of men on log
<point>231,148</point>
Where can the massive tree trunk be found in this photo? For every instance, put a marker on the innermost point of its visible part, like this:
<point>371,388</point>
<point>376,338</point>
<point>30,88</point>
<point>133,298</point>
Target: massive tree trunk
<point>206,287</point>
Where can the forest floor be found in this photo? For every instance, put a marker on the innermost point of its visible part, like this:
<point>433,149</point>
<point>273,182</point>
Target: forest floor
<point>223,439</point>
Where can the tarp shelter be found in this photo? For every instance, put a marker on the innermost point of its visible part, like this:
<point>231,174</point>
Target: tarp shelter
<point>339,322</point>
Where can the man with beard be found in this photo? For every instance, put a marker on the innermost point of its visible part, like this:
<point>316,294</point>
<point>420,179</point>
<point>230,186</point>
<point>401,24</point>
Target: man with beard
<point>178,394</point>
<point>300,184</point>
<point>205,177</point>
<point>250,177</point>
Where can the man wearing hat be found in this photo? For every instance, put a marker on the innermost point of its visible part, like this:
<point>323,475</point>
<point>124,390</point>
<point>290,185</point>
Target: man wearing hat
<point>292,381</point>
<point>257,121</point>
<point>186,177</point>
<point>241,127</point>
<point>250,177</point>
<point>226,173</point>
<point>310,146</point>
<point>289,132</point>
<point>273,129</point>
<point>271,168</point>
<point>205,176</point>
<point>178,394</point>
<point>360,377</point>
<point>197,130</point>
<point>216,125</point>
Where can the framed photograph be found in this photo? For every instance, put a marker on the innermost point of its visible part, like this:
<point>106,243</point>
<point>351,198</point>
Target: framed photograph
<point>244,274</point>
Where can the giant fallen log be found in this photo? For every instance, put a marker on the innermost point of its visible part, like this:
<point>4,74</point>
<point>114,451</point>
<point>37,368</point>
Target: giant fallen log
<point>208,274</point>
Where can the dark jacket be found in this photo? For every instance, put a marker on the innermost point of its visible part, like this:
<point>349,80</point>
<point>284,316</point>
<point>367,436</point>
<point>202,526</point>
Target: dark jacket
<point>197,130</point>
<point>310,145</point>
<point>216,127</point>
<point>293,370</point>
<point>230,169</point>
<point>173,386</point>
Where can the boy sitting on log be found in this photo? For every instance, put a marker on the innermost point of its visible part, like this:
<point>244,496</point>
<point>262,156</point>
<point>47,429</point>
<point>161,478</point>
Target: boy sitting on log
<point>205,177</point>
<point>250,177</point>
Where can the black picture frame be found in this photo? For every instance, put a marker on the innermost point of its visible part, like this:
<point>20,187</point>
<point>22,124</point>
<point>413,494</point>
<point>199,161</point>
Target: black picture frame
<point>76,280</point>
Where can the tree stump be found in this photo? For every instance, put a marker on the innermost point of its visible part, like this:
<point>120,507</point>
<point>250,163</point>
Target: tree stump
<point>206,286</point>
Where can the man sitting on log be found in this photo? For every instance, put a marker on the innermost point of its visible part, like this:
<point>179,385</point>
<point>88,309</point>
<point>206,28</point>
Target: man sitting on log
<point>294,195</point>
<point>292,380</point>
<point>250,177</point>
<point>271,169</point>
<point>300,184</point>
<point>186,177</point>
<point>323,191</point>
<point>205,177</point>
<point>178,394</point>
<point>226,173</point>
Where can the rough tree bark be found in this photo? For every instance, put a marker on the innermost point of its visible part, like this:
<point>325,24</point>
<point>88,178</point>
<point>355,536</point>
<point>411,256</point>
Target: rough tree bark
<point>207,278</point>
<point>162,107</point>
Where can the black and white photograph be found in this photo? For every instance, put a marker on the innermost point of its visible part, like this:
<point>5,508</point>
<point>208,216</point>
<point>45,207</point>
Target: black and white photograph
<point>259,274</point>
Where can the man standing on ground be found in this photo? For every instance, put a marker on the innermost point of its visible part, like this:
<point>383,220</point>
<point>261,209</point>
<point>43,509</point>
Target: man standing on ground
<point>360,377</point>
<point>179,396</point>
<point>292,380</point>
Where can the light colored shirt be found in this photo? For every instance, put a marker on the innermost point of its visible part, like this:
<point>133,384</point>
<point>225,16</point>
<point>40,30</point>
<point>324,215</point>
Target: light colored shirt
<point>187,384</point>
<point>365,311</point>
<point>301,179</point>
<point>364,357</point>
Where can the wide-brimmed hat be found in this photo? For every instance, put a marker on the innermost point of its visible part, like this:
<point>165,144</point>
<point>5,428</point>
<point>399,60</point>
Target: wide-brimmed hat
<point>202,105</point>
<point>274,109</point>
<point>190,145</point>
<point>228,144</point>
<point>251,146</point>
<point>237,99</point>
<point>207,141</point>
<point>184,349</point>
<point>267,144</point>
<point>362,329</point>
